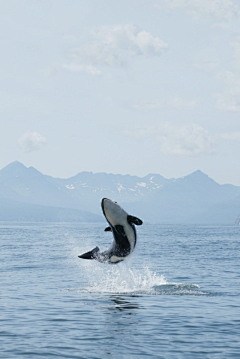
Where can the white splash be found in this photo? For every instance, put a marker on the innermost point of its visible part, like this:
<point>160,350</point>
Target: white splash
<point>121,279</point>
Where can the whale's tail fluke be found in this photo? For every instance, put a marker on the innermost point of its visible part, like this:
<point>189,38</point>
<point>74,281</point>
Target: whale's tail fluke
<point>90,255</point>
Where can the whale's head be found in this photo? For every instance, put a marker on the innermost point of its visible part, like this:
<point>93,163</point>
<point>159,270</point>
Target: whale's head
<point>113,212</point>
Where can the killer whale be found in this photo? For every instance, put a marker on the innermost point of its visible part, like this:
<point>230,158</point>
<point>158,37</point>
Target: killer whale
<point>121,224</point>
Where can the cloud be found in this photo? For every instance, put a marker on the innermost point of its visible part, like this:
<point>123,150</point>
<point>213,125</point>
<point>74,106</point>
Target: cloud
<point>229,98</point>
<point>31,141</point>
<point>188,140</point>
<point>113,46</point>
<point>231,136</point>
<point>130,40</point>
<point>74,67</point>
<point>171,103</point>
<point>206,65</point>
<point>218,9</point>
<point>235,46</point>
<point>221,25</point>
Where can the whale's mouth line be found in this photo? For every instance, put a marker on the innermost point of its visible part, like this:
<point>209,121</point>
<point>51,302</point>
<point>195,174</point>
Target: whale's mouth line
<point>103,210</point>
<point>102,205</point>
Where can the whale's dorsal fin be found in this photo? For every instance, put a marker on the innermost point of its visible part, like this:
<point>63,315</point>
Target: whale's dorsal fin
<point>134,220</point>
<point>108,229</point>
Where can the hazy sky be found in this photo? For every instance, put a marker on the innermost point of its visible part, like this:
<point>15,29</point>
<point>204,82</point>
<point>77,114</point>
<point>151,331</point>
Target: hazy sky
<point>138,87</point>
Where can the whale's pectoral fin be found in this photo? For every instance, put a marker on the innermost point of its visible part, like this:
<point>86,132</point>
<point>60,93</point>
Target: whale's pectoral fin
<point>134,220</point>
<point>108,229</point>
<point>90,255</point>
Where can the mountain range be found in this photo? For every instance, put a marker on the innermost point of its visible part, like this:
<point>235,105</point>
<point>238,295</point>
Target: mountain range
<point>28,195</point>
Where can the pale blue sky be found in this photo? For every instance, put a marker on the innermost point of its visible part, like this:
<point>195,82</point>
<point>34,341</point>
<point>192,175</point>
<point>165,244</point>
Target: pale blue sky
<point>132,87</point>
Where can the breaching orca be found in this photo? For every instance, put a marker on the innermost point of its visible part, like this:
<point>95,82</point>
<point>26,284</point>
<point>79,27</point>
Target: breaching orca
<point>124,233</point>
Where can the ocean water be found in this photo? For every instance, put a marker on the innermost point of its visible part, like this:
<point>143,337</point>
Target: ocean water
<point>176,296</point>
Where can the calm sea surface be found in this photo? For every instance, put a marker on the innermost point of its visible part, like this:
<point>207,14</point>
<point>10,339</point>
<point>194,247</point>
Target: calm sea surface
<point>177,296</point>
